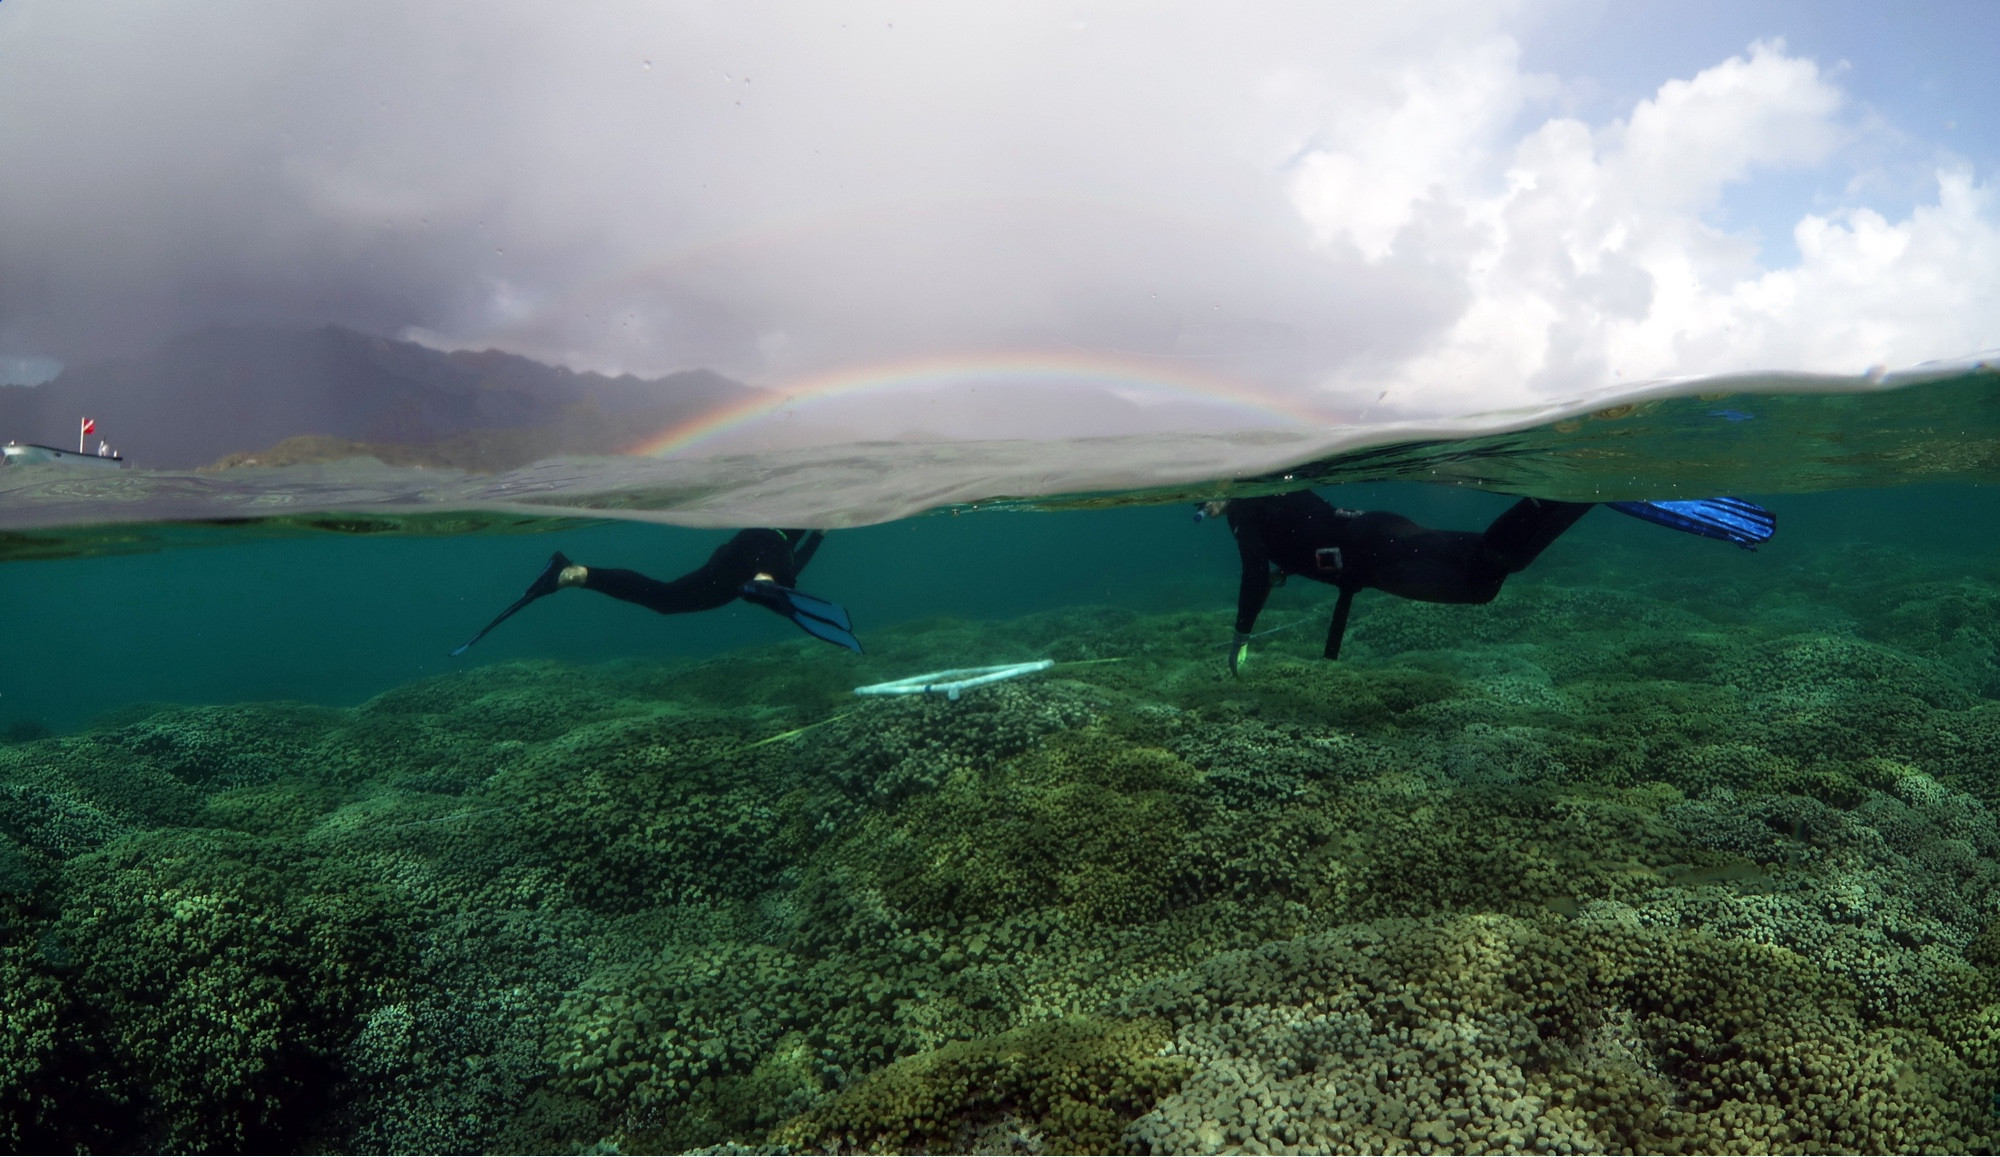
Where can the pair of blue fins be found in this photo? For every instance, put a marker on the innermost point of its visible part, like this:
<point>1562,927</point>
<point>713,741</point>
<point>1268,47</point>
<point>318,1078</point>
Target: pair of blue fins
<point>815,616</point>
<point>1734,520</point>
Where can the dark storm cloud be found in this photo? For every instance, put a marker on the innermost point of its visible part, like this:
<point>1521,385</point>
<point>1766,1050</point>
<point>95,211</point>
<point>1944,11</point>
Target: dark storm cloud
<point>763,190</point>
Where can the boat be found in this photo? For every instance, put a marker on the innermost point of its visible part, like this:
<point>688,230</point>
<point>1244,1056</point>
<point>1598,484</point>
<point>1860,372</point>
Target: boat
<point>36,454</point>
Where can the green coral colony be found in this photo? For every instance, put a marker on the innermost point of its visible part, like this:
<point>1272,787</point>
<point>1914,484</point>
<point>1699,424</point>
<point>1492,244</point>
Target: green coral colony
<point>1603,867</point>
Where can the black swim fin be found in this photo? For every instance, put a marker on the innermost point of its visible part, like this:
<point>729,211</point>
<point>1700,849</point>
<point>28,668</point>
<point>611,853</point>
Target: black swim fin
<point>545,583</point>
<point>1730,519</point>
<point>815,616</point>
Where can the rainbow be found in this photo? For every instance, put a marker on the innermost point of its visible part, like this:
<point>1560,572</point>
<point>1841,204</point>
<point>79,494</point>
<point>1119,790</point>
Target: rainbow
<point>1102,371</point>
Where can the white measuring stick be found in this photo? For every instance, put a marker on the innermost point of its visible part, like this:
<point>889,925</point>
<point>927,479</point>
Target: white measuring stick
<point>952,681</point>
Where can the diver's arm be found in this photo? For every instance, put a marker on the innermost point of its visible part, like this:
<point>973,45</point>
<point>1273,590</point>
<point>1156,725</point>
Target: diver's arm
<point>803,552</point>
<point>1337,628</point>
<point>1255,586</point>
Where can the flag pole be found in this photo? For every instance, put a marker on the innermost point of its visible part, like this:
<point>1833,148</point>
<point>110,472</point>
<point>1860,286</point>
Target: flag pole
<point>82,428</point>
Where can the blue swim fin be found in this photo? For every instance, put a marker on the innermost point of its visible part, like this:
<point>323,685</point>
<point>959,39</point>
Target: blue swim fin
<point>815,616</point>
<point>833,633</point>
<point>834,613</point>
<point>1730,519</point>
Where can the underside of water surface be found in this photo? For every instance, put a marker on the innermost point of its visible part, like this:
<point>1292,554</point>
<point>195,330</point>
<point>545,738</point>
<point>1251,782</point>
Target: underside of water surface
<point>1673,847</point>
<point>1770,433</point>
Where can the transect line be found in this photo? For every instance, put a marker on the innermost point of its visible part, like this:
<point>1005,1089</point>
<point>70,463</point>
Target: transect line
<point>1288,626</point>
<point>795,731</point>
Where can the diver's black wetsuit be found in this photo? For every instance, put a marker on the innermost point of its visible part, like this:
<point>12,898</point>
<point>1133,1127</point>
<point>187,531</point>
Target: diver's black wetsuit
<point>782,554</point>
<point>1301,533</point>
<point>732,572</point>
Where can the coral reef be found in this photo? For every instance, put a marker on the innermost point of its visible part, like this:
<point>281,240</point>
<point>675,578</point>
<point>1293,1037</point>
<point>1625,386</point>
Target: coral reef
<point>1599,867</point>
<point>228,972</point>
<point>1580,1035</point>
<point>1060,1086</point>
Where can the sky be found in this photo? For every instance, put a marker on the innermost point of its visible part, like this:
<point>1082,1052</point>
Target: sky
<point>1348,211</point>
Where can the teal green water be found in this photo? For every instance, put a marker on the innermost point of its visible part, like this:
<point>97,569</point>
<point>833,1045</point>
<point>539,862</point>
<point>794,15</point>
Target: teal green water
<point>1672,847</point>
<point>335,619</point>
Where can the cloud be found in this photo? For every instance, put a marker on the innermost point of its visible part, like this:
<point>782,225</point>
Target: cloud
<point>1588,261</point>
<point>1325,200</point>
<point>1386,158</point>
<point>648,187</point>
<point>1771,111</point>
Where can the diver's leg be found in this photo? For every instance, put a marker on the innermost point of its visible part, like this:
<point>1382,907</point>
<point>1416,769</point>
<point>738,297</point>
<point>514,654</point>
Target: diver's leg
<point>702,590</point>
<point>1525,530</point>
<point>555,575</point>
<point>1434,566</point>
<point>1454,566</point>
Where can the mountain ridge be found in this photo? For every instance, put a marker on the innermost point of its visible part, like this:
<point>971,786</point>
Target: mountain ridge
<point>222,394</point>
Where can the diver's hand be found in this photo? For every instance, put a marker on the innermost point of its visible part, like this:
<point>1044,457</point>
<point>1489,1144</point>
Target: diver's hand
<point>1239,653</point>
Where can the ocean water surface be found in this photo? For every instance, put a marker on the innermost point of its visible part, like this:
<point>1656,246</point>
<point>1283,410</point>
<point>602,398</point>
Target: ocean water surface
<point>1672,847</point>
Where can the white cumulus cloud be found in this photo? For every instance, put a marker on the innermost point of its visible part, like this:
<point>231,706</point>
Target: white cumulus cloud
<point>1587,256</point>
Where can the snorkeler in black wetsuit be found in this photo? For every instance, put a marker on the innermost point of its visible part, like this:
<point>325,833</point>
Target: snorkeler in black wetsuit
<point>759,566</point>
<point>1303,534</point>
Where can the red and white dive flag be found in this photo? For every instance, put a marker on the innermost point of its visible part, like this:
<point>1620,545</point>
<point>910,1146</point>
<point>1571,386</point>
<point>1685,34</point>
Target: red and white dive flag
<point>85,427</point>
<point>90,425</point>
